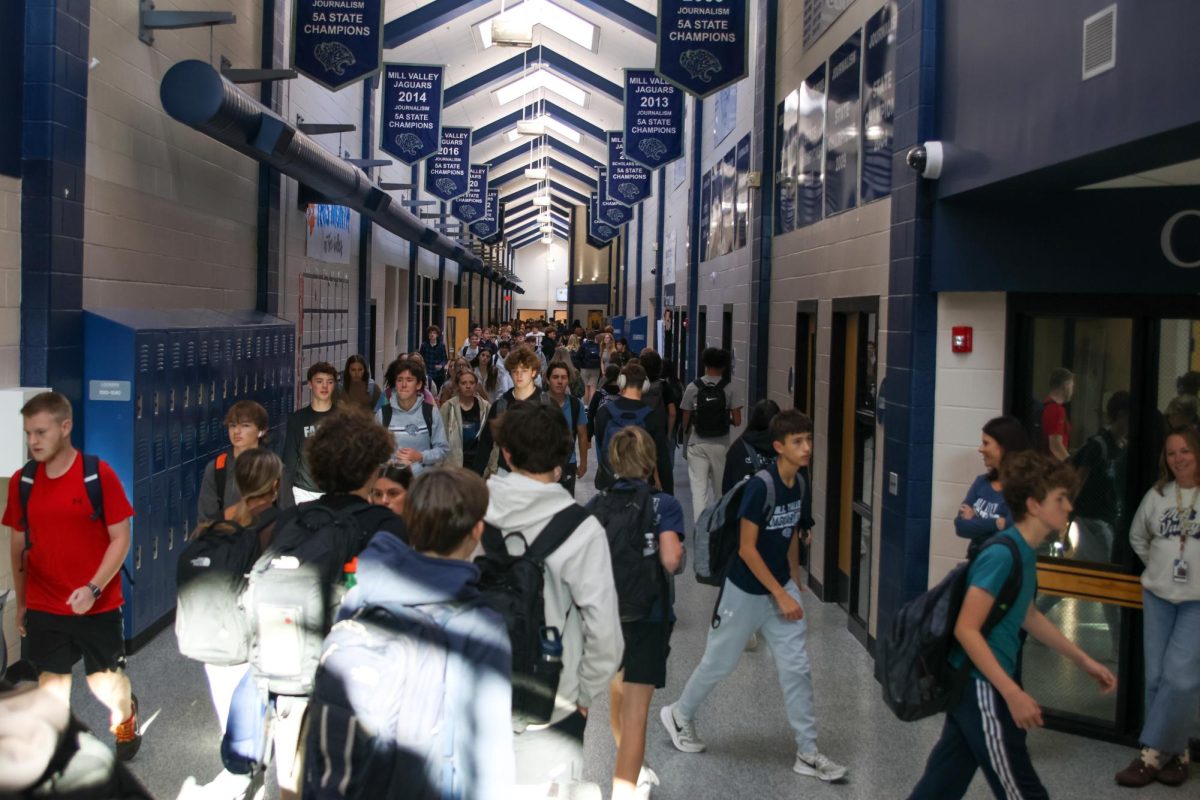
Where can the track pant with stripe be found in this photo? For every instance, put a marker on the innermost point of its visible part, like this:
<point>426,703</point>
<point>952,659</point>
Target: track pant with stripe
<point>980,734</point>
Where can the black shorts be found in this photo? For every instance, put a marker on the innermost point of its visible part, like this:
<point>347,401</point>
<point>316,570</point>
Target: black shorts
<point>647,645</point>
<point>55,642</point>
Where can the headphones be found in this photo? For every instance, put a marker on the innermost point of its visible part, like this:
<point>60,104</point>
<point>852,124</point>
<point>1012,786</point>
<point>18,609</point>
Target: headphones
<point>621,383</point>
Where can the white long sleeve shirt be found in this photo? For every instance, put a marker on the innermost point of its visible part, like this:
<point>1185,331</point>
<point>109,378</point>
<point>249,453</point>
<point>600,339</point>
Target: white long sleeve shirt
<point>1154,536</point>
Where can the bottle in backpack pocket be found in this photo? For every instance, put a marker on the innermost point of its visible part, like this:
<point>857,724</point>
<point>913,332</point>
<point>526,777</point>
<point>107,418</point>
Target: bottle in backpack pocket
<point>540,689</point>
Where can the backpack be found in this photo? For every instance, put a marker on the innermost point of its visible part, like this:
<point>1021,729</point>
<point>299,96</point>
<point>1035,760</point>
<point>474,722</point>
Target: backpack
<point>618,419</point>
<point>379,707</point>
<point>918,679</point>
<point>628,519</point>
<point>513,586</point>
<point>219,472</point>
<point>590,355</point>
<point>211,576</point>
<point>426,412</point>
<point>293,591</point>
<point>711,416</point>
<point>576,406</point>
<point>91,484</point>
<point>718,531</point>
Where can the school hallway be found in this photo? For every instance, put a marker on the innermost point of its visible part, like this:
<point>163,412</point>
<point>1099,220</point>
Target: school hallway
<point>750,747</point>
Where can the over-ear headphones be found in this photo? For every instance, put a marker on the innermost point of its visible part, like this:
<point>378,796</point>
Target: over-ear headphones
<point>621,382</point>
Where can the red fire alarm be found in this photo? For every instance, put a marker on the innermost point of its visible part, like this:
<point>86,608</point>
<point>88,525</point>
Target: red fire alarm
<point>960,339</point>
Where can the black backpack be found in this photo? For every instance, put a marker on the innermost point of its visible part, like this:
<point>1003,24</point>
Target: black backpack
<point>590,358</point>
<point>712,411</point>
<point>628,519</point>
<point>618,419</point>
<point>918,679</point>
<point>211,575</point>
<point>426,412</point>
<point>513,586</point>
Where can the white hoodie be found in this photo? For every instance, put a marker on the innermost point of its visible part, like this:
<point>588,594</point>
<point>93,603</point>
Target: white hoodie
<point>579,579</point>
<point>1154,536</point>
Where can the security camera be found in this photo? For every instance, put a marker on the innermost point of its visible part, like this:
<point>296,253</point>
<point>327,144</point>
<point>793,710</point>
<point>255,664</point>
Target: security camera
<point>653,271</point>
<point>927,160</point>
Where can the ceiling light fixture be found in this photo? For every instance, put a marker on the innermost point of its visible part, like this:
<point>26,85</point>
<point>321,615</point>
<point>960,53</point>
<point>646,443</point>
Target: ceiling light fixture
<point>540,79</point>
<point>547,14</point>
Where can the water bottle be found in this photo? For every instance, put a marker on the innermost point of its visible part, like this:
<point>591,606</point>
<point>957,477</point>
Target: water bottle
<point>551,646</point>
<point>651,545</point>
<point>350,573</point>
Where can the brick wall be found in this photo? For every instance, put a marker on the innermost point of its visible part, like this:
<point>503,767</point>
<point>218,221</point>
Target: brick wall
<point>10,281</point>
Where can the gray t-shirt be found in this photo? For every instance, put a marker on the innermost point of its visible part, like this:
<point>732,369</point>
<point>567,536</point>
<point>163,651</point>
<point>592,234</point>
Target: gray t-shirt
<point>733,399</point>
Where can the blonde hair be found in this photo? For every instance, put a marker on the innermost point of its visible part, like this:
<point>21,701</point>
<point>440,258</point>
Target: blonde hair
<point>631,453</point>
<point>573,342</point>
<point>257,473</point>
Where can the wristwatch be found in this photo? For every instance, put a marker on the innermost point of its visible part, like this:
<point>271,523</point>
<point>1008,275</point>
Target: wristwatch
<point>96,590</point>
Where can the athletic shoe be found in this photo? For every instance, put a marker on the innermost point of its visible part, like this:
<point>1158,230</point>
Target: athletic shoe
<point>1175,771</point>
<point>683,732</point>
<point>647,776</point>
<point>1141,771</point>
<point>752,643</point>
<point>818,765</point>
<point>129,733</point>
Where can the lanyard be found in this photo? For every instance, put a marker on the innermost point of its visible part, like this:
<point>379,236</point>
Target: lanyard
<point>1183,532</point>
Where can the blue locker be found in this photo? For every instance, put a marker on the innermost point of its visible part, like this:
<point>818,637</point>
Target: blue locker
<point>155,553</point>
<point>176,383</point>
<point>159,383</point>
<point>143,406</point>
<point>197,479</point>
<point>172,539</point>
<point>136,613</point>
<point>203,392</point>
<point>189,489</point>
<point>187,381</point>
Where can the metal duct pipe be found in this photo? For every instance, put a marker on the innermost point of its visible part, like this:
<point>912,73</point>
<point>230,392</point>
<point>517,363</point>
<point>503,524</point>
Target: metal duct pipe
<point>198,96</point>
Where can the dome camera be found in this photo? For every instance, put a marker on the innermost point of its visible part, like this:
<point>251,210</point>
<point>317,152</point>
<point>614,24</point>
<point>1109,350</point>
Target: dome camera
<point>927,160</point>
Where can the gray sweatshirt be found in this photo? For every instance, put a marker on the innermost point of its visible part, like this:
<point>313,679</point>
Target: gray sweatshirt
<point>1154,536</point>
<point>408,429</point>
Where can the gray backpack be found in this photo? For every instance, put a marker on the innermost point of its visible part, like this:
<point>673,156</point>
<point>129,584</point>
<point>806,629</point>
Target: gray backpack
<point>717,531</point>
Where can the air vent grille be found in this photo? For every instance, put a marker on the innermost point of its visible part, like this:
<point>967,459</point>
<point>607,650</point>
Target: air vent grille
<point>1100,42</point>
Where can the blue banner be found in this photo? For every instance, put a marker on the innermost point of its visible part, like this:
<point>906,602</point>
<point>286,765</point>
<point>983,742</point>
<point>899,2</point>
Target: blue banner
<point>702,47</point>
<point>653,119</point>
<point>412,111</point>
<point>608,210</point>
<point>490,224</point>
<point>337,42</point>
<point>472,205</point>
<point>843,117</point>
<point>447,173</point>
<point>879,103</point>
<point>600,231</point>
<point>628,181</point>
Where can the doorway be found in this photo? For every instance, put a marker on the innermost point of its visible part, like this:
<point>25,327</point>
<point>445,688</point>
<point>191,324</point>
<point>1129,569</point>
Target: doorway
<point>804,367</point>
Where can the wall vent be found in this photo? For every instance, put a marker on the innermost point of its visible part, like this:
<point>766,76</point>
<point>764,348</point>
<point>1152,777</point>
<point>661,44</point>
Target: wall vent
<point>1100,42</point>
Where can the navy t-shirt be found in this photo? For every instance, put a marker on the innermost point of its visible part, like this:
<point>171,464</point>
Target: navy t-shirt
<point>776,526</point>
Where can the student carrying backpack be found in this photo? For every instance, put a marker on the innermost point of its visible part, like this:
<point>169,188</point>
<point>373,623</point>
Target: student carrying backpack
<point>627,513</point>
<point>589,354</point>
<point>717,534</point>
<point>626,410</point>
<point>711,416</point>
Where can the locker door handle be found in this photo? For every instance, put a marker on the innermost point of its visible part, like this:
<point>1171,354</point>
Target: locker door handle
<point>154,551</point>
<point>137,557</point>
<point>170,538</point>
<point>171,405</point>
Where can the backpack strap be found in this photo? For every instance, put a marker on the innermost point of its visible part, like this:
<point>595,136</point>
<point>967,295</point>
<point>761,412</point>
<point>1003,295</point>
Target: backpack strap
<point>1010,589</point>
<point>387,414</point>
<point>28,473</point>
<point>427,413</point>
<point>766,477</point>
<point>219,467</point>
<point>91,484</point>
<point>560,526</point>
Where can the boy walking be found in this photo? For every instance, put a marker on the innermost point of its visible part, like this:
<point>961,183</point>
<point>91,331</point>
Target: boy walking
<point>298,484</point>
<point>711,405</point>
<point>761,596</point>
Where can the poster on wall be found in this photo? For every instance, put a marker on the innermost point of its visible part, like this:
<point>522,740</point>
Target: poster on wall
<point>412,111</point>
<point>842,121</point>
<point>705,213</point>
<point>610,211</point>
<point>653,119</point>
<point>742,202</point>
<point>728,167</point>
<point>472,205</point>
<point>327,233</point>
<point>810,192</point>
<point>628,181</point>
<point>489,226</point>
<point>787,168</point>
<point>724,111</point>
<point>447,173</point>
<point>819,15</point>
<point>702,47</point>
<point>879,103</point>
<point>337,42</point>
<point>669,262</point>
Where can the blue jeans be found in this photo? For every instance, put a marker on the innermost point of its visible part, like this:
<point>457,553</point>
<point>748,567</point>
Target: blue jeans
<point>245,739</point>
<point>1171,640</point>
<point>741,615</point>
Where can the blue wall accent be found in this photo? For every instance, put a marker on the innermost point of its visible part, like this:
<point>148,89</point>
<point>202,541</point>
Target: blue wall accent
<point>641,225</point>
<point>535,56</point>
<point>627,14</point>
<point>1012,99</point>
<point>364,224</point>
<point>912,326</point>
<point>659,239</point>
<point>591,294</point>
<point>426,18</point>
<point>53,151</point>
<point>762,226</point>
<point>691,370</point>
<point>12,71</point>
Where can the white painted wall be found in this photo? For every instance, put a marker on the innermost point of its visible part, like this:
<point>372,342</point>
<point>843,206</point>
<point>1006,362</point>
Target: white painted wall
<point>542,270</point>
<point>969,392</point>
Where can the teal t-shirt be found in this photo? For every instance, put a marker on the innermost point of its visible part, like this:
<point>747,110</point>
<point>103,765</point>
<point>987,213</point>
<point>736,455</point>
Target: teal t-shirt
<point>989,572</point>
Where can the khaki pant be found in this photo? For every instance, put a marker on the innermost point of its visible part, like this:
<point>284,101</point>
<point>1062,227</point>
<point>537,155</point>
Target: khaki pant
<point>706,468</point>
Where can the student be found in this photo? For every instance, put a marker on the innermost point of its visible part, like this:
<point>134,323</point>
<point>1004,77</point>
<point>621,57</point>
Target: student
<point>761,595</point>
<point>612,373</point>
<point>488,376</point>
<point>246,423</point>
<point>432,576</point>
<point>590,364</point>
<point>1056,421</point>
<point>471,349</point>
<point>657,396</point>
<point>987,727</point>
<point>434,353</point>
<point>712,405</point>
<point>357,386</point>
<point>753,450</point>
<point>416,426</point>
<point>298,483</point>
<point>65,560</point>
<point>391,487</point>
<point>522,365</point>
<point>647,640</point>
<point>558,376</point>
<point>580,598</point>
<point>462,417</point>
<point>628,409</point>
<point>983,512</point>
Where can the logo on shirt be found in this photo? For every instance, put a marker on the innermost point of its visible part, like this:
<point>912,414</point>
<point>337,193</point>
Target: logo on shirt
<point>1171,524</point>
<point>785,518</point>
<point>986,509</point>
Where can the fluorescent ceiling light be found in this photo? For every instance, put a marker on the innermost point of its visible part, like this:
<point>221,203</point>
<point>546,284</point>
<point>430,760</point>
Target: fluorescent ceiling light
<point>546,228</point>
<point>544,124</point>
<point>541,200</point>
<point>540,79</point>
<point>544,218</point>
<point>536,173</point>
<point>551,15</point>
<point>511,30</point>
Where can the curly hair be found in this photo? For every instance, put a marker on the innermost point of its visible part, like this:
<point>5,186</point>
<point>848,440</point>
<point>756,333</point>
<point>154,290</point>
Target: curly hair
<point>346,451</point>
<point>1028,474</point>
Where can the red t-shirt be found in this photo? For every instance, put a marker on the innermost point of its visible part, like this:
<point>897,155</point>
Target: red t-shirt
<point>68,544</point>
<point>1055,421</point>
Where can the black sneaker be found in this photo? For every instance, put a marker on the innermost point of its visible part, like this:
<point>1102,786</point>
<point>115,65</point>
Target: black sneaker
<point>129,734</point>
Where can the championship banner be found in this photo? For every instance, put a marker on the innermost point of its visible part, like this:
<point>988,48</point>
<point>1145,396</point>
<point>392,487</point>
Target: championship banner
<point>412,111</point>
<point>653,119</point>
<point>490,224</point>
<point>842,118</point>
<point>879,103</point>
<point>600,231</point>
<point>628,181</point>
<point>472,205</point>
<point>610,211</point>
<point>337,42</point>
<point>448,171</point>
<point>702,47</point>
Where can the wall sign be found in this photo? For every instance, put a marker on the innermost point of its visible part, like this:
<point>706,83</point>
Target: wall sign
<point>327,233</point>
<point>337,42</point>
<point>628,181</point>
<point>612,212</point>
<point>653,119</point>
<point>490,224</point>
<point>448,171</point>
<point>702,46</point>
<point>879,103</point>
<point>412,111</point>
<point>1174,254</point>
<point>819,15</point>
<point>843,119</point>
<point>472,205</point>
<point>599,230</point>
<point>810,190</point>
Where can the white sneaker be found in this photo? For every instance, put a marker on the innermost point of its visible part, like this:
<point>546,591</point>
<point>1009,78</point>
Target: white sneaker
<point>752,643</point>
<point>647,776</point>
<point>818,765</point>
<point>683,733</point>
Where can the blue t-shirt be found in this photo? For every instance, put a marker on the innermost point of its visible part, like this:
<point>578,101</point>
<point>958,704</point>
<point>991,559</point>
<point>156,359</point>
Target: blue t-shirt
<point>572,422</point>
<point>989,572</point>
<point>776,526</point>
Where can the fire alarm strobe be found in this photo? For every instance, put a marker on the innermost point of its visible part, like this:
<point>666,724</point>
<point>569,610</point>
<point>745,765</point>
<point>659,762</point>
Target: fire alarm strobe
<point>960,339</point>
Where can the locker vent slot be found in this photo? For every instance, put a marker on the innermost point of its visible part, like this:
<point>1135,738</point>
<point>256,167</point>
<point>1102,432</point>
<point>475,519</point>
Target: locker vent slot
<point>1100,42</point>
